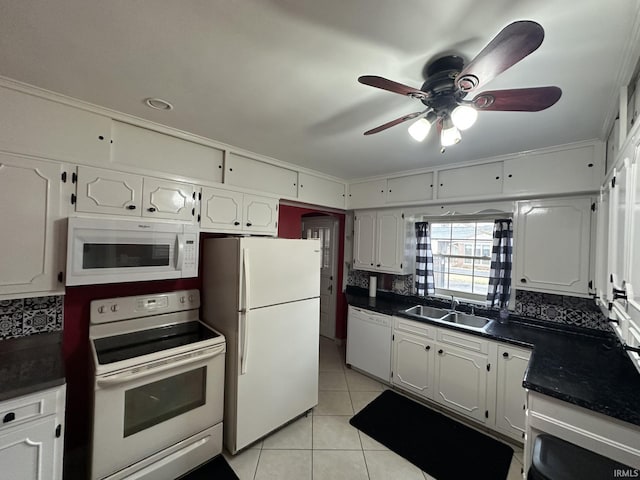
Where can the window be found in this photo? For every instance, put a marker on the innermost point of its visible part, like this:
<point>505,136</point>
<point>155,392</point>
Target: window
<point>462,257</point>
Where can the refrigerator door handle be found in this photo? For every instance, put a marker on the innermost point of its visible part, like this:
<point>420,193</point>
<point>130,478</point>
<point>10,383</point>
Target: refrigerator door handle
<point>244,314</point>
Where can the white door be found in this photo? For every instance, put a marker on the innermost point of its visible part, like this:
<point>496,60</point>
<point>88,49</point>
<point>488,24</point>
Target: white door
<point>168,200</point>
<point>221,209</point>
<point>326,230</point>
<point>413,363</point>
<point>278,378</point>
<point>32,237</point>
<point>461,381</point>
<point>364,228</point>
<point>28,452</point>
<point>260,214</point>
<point>105,191</point>
<point>511,403</point>
<point>278,270</point>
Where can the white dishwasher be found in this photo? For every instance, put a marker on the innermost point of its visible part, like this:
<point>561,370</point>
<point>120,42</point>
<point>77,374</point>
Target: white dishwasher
<point>369,342</point>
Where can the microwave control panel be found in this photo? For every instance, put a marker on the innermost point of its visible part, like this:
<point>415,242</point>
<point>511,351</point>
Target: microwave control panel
<point>190,260</point>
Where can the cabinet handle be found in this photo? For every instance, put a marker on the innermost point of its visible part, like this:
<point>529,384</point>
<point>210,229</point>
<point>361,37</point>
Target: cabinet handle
<point>151,209</point>
<point>131,207</point>
<point>524,407</point>
<point>523,280</point>
<point>505,354</point>
<point>236,223</point>
<point>440,351</point>
<point>428,347</point>
<point>9,417</point>
<point>378,265</point>
<point>248,224</point>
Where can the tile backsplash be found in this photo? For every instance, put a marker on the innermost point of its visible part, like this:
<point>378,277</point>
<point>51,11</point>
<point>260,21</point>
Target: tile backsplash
<point>27,316</point>
<point>400,284</point>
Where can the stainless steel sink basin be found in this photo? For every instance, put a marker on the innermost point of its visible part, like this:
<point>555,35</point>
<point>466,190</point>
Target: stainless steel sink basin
<point>466,320</point>
<point>432,313</point>
<point>445,316</point>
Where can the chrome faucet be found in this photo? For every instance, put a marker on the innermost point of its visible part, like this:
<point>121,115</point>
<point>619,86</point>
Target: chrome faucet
<point>454,303</point>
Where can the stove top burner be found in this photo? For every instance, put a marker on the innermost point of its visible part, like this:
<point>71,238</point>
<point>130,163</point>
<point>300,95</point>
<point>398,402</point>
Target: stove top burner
<point>123,347</point>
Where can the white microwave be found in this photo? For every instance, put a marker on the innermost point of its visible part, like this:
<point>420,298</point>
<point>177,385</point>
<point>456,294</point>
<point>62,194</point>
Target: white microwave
<point>113,251</point>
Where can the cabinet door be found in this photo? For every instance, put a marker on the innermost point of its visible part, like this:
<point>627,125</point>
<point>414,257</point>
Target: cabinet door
<point>411,188</point>
<point>45,128</point>
<point>511,402</point>
<point>156,152</point>
<point>364,228</point>
<point>367,194</point>
<point>389,241</point>
<point>260,214</point>
<point>618,236</point>
<point>472,181</point>
<point>413,363</point>
<point>168,200</point>
<point>28,451</point>
<point>601,277</point>
<point>32,237</point>
<point>321,191</point>
<point>221,210</point>
<point>552,245</point>
<point>634,236</point>
<point>461,381</point>
<point>257,175</point>
<point>105,191</point>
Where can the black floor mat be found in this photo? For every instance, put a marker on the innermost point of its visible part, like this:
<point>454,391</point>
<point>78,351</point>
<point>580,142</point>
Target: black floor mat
<point>444,448</point>
<point>217,469</point>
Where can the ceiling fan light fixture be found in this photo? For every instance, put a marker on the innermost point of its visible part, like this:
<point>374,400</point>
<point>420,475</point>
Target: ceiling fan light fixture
<point>420,129</point>
<point>464,116</point>
<point>450,135</point>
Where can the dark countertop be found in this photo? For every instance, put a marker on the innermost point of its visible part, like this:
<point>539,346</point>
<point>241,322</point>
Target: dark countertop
<point>30,364</point>
<point>583,367</point>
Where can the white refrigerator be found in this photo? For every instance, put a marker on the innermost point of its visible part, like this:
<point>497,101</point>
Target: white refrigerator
<point>263,294</point>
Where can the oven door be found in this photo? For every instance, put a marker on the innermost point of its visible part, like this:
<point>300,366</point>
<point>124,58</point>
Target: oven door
<point>140,411</point>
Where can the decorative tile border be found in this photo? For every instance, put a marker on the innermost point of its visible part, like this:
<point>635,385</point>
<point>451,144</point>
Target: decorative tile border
<point>29,316</point>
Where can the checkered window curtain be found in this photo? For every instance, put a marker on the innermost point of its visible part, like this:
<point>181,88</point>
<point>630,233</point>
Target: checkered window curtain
<point>424,260</point>
<point>501,260</point>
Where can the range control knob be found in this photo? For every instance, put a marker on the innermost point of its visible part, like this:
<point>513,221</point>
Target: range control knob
<point>114,307</point>
<point>101,309</point>
<point>191,298</point>
<point>182,299</point>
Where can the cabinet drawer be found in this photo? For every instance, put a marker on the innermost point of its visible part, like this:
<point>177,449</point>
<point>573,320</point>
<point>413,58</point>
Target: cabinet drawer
<point>417,328</point>
<point>468,342</point>
<point>26,408</point>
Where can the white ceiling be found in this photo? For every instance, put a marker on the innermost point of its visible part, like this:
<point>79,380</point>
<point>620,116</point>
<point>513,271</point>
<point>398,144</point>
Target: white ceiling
<point>279,77</point>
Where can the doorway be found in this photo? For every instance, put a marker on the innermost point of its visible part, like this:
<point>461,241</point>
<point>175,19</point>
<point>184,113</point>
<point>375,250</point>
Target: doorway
<point>325,228</point>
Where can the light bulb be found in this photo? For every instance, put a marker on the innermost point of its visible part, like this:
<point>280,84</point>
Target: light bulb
<point>450,136</point>
<point>420,129</point>
<point>464,116</point>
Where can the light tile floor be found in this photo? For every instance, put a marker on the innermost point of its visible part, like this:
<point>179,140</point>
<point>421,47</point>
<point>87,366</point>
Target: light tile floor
<point>323,445</point>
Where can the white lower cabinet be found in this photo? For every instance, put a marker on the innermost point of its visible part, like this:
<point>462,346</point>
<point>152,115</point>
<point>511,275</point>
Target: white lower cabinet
<point>511,398</point>
<point>470,375</point>
<point>229,211</point>
<point>31,440</point>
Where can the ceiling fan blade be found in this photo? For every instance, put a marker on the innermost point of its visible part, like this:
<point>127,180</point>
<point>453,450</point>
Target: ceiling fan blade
<point>391,86</point>
<point>518,100</point>
<point>395,122</point>
<point>511,45</point>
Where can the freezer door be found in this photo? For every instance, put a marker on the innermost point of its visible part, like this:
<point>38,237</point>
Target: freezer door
<point>279,271</point>
<point>279,377</point>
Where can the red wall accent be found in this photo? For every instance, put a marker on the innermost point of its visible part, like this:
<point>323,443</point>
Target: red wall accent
<point>290,226</point>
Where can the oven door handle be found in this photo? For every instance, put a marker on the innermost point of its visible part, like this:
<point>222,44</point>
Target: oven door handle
<point>121,378</point>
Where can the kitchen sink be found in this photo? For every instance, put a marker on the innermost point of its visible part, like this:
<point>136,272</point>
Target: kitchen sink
<point>432,313</point>
<point>445,316</point>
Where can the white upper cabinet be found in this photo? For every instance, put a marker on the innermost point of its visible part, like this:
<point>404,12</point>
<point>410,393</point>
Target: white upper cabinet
<point>410,188</point>
<point>254,174</point>
<point>33,232</point>
<point>156,152</point>
<point>552,241</point>
<point>571,170</point>
<point>321,191</point>
<point>126,194</point>
<point>35,126</point>
<point>471,181</point>
<point>367,194</point>
<point>228,211</point>
<point>383,242</point>
<point>633,277</point>
<point>619,204</point>
<point>511,400</point>
<point>168,200</point>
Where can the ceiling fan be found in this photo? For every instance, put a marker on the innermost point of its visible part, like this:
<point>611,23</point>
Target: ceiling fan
<point>449,81</point>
